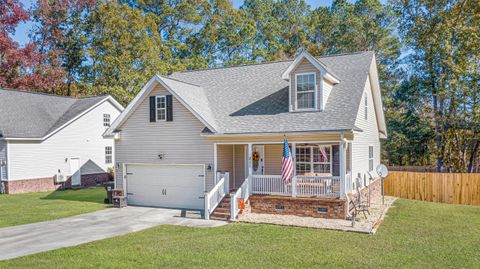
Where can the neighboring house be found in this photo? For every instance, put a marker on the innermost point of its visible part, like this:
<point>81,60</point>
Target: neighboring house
<point>42,135</point>
<point>187,139</point>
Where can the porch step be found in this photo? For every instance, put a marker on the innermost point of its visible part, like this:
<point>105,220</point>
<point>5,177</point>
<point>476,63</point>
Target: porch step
<point>220,216</point>
<point>222,212</point>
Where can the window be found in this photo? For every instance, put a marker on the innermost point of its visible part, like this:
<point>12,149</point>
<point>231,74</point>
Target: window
<point>366,106</point>
<point>108,154</point>
<point>313,159</point>
<point>161,108</point>
<point>305,91</point>
<point>106,120</point>
<point>370,158</point>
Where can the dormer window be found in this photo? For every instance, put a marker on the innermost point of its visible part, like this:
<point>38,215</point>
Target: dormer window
<point>306,91</point>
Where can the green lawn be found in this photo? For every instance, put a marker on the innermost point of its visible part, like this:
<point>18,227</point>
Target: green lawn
<point>41,206</point>
<point>414,235</point>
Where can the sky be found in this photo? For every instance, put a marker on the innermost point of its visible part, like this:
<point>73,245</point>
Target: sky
<point>23,29</point>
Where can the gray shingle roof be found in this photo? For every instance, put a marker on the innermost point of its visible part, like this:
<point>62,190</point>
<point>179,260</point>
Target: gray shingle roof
<point>34,115</point>
<point>254,98</point>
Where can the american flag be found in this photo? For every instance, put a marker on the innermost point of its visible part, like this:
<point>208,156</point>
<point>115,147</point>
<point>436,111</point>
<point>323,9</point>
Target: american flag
<point>323,154</point>
<point>287,162</point>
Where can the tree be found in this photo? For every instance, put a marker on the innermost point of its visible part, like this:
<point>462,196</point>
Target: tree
<point>443,40</point>
<point>61,32</point>
<point>125,51</point>
<point>20,68</point>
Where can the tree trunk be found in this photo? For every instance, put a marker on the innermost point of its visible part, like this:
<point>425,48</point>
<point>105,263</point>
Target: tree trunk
<point>473,156</point>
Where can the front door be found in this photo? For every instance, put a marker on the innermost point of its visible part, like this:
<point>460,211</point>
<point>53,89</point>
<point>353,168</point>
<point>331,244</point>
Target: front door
<point>75,171</point>
<point>258,157</point>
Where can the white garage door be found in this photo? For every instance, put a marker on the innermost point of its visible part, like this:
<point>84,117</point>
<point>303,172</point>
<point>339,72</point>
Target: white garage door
<point>173,186</point>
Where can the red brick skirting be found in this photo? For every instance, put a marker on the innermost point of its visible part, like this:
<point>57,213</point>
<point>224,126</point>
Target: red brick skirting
<point>47,184</point>
<point>317,207</point>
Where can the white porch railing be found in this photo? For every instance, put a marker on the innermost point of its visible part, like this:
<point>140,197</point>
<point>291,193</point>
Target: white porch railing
<point>213,198</point>
<point>318,186</point>
<point>244,193</point>
<point>269,184</point>
<point>299,186</point>
<point>348,183</point>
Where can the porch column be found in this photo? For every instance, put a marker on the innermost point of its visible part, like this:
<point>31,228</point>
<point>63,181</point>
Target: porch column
<point>343,166</point>
<point>294,163</point>
<point>294,158</point>
<point>250,163</point>
<point>215,163</point>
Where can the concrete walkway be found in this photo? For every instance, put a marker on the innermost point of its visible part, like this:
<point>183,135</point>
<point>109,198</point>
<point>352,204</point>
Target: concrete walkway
<point>21,240</point>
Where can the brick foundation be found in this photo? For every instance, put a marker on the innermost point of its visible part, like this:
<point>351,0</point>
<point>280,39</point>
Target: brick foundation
<point>47,184</point>
<point>317,207</point>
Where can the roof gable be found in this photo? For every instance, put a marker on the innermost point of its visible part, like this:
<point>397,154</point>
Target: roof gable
<point>189,95</point>
<point>304,55</point>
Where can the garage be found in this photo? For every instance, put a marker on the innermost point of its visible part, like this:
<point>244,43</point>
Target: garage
<point>171,186</point>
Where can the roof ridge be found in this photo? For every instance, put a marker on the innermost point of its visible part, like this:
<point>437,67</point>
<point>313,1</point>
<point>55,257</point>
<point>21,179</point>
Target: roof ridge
<point>264,63</point>
<point>181,81</point>
<point>232,66</point>
<point>29,91</point>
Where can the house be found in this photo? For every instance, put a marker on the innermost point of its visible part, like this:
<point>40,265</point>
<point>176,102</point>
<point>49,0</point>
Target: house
<point>202,139</point>
<point>43,136</point>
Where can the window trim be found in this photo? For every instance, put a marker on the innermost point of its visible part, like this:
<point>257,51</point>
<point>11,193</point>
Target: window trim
<point>371,159</point>
<point>312,163</point>
<point>157,108</point>
<point>315,89</point>
<point>105,123</point>
<point>108,155</point>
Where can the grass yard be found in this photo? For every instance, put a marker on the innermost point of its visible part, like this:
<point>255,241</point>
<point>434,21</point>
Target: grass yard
<point>41,206</point>
<point>414,235</point>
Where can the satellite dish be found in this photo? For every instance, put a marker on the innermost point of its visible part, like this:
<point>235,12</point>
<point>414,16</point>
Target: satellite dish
<point>382,170</point>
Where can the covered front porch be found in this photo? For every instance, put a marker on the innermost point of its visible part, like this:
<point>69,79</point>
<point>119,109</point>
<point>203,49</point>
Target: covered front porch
<point>322,170</point>
<point>317,166</point>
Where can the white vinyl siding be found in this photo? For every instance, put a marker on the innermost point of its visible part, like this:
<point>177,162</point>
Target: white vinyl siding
<point>368,137</point>
<point>326,89</point>
<point>179,141</point>
<point>3,159</point>
<point>225,160</point>
<point>80,139</point>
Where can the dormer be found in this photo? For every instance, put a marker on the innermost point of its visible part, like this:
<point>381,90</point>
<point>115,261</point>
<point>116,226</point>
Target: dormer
<point>310,83</point>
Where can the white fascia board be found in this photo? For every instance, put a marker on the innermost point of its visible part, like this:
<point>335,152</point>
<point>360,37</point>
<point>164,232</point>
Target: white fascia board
<point>377,99</point>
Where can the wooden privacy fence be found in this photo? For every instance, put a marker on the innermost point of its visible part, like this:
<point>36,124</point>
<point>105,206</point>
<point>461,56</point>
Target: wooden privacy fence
<point>455,188</point>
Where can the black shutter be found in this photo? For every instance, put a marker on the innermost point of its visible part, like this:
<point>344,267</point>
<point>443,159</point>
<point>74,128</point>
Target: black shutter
<point>335,160</point>
<point>153,116</point>
<point>169,108</point>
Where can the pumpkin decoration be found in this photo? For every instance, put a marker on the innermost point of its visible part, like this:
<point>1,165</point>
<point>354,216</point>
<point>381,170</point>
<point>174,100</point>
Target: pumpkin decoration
<point>255,156</point>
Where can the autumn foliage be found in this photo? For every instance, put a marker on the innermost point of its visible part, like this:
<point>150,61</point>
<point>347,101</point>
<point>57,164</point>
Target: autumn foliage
<point>23,68</point>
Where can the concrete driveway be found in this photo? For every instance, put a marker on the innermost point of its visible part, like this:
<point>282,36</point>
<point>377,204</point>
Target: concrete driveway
<point>32,238</point>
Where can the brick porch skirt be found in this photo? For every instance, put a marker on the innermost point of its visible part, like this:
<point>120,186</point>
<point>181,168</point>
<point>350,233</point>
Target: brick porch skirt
<point>317,207</point>
<point>47,184</point>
